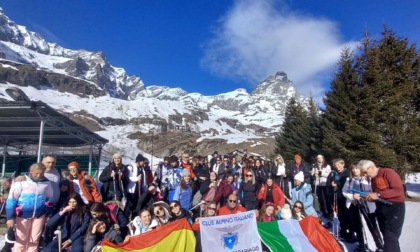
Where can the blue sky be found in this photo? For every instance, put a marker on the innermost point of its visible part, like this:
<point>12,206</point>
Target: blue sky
<point>216,46</point>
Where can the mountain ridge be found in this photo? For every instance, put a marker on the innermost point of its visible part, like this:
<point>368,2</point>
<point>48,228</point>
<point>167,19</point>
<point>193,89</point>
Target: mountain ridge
<point>26,59</point>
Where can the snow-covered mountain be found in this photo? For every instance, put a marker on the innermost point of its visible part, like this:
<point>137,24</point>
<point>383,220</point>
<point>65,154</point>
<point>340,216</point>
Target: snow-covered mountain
<point>79,82</point>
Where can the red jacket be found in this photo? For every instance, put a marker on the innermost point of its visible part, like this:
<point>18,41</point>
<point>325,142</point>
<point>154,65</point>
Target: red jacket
<point>223,191</point>
<point>91,194</point>
<point>226,210</point>
<point>278,195</point>
<point>190,169</point>
<point>389,184</point>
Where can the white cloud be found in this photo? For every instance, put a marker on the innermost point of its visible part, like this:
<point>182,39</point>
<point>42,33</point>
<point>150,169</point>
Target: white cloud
<point>256,39</point>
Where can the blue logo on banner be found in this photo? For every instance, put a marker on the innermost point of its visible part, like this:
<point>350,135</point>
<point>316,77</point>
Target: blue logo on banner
<point>230,240</point>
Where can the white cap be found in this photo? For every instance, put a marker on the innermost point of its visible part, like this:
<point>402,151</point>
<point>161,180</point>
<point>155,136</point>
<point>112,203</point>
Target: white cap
<point>299,176</point>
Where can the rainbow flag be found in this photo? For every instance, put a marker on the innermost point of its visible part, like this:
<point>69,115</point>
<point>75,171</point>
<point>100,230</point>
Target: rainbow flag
<point>292,235</point>
<point>175,236</point>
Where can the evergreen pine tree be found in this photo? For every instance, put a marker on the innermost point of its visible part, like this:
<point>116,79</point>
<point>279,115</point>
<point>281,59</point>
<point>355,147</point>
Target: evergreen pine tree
<point>315,133</point>
<point>295,134</point>
<point>390,75</point>
<point>343,136</point>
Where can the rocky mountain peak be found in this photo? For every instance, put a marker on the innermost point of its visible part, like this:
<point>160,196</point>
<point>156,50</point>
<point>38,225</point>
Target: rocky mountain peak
<point>108,94</point>
<point>87,66</point>
<point>275,86</point>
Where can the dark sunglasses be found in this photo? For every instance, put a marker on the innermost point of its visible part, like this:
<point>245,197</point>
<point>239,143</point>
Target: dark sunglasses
<point>173,206</point>
<point>233,201</point>
<point>160,209</point>
<point>249,175</point>
<point>298,207</point>
<point>212,208</point>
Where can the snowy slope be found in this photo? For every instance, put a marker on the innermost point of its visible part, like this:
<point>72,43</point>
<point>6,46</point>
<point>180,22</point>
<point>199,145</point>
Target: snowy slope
<point>235,116</point>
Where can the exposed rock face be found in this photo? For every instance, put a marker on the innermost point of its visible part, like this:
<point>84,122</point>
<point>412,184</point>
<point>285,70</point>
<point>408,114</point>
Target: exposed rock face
<point>28,75</point>
<point>26,59</point>
<point>23,46</point>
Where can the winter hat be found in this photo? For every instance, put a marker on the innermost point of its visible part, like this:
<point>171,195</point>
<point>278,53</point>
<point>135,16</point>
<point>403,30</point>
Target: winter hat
<point>140,158</point>
<point>186,172</point>
<point>299,176</point>
<point>74,163</point>
<point>116,155</point>
<point>286,213</point>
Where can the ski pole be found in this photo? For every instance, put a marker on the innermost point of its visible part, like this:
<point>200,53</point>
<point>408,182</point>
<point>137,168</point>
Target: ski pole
<point>115,188</point>
<point>365,194</point>
<point>375,232</point>
<point>194,207</point>
<point>58,233</point>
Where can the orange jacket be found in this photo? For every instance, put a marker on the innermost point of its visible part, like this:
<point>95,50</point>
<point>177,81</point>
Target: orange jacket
<point>91,195</point>
<point>196,227</point>
<point>278,195</point>
<point>226,210</point>
<point>189,167</point>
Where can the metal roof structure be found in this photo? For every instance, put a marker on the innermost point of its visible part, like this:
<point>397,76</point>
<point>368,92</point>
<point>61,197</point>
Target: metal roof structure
<point>20,124</point>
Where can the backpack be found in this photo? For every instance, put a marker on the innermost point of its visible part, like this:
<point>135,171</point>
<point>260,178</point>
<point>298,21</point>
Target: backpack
<point>114,209</point>
<point>315,202</point>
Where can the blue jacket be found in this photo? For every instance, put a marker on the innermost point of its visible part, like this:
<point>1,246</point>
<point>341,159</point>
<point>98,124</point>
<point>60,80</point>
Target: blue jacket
<point>71,229</point>
<point>184,197</point>
<point>29,199</point>
<point>303,193</point>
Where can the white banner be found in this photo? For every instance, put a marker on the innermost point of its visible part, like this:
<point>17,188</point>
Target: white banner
<point>235,232</point>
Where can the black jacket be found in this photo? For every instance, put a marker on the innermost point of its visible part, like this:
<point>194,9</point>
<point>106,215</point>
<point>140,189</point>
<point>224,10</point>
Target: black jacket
<point>93,239</point>
<point>292,170</point>
<point>340,179</point>
<point>108,182</point>
<point>248,192</point>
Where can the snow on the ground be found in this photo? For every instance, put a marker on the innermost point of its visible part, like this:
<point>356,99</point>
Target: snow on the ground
<point>412,182</point>
<point>409,240</point>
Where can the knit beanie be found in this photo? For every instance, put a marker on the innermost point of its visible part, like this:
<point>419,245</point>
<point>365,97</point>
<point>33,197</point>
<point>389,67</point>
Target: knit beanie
<point>140,158</point>
<point>299,176</point>
<point>74,163</point>
<point>186,172</point>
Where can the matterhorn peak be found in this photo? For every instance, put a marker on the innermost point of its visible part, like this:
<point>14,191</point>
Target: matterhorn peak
<point>274,86</point>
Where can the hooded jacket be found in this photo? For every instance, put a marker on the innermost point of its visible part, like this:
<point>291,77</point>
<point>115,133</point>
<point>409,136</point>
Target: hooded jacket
<point>111,233</point>
<point>29,199</point>
<point>88,187</point>
<point>303,193</point>
<point>278,195</point>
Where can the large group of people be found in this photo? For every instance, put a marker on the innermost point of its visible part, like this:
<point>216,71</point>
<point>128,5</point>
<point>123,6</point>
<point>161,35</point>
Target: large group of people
<point>131,199</point>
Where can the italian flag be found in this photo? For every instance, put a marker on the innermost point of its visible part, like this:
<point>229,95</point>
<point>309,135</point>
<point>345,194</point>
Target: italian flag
<point>291,235</point>
<point>175,236</point>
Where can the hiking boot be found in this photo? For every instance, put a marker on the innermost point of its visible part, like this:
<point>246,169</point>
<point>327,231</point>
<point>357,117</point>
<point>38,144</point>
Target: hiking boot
<point>328,216</point>
<point>327,225</point>
<point>10,236</point>
<point>349,240</point>
<point>361,248</point>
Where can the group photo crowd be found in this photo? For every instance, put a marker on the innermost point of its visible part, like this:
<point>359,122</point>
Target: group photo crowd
<point>68,210</point>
